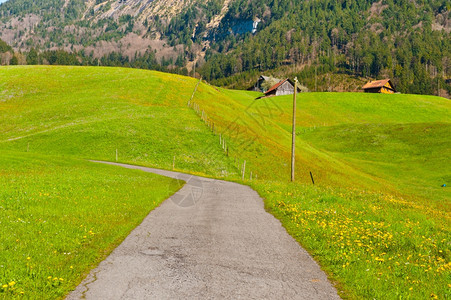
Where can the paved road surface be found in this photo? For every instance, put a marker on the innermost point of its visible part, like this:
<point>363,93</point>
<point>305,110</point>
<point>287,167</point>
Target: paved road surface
<point>211,240</point>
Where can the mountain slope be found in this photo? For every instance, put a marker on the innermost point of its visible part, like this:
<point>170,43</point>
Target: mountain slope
<point>407,41</point>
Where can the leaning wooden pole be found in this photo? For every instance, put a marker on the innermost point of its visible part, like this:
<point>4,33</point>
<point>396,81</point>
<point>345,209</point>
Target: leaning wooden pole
<point>194,92</point>
<point>293,137</point>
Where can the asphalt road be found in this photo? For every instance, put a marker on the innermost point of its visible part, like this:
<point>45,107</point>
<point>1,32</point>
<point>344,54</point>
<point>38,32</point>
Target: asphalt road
<point>211,240</point>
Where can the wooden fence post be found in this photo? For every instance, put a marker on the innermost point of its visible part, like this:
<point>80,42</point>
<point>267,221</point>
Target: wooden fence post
<point>194,92</point>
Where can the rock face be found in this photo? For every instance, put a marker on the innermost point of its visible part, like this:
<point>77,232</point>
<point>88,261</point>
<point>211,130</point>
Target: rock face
<point>139,9</point>
<point>102,27</point>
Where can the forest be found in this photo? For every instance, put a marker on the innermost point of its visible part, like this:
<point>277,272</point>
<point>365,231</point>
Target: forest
<point>389,38</point>
<point>405,40</point>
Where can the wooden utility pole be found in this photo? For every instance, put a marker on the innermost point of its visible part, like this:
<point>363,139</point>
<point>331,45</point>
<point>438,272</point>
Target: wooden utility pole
<point>293,141</point>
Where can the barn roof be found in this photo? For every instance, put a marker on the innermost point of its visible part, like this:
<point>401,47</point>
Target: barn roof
<point>377,84</point>
<point>276,86</point>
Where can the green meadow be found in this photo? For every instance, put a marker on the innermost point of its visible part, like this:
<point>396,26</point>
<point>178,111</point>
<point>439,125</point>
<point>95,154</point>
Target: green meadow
<point>377,219</point>
<point>62,216</point>
<point>92,112</point>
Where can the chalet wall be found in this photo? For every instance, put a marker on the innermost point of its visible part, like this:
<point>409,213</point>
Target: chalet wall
<point>285,89</point>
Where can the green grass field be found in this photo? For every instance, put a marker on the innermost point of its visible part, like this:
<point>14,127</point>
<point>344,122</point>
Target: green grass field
<point>377,218</point>
<point>91,112</point>
<point>60,217</point>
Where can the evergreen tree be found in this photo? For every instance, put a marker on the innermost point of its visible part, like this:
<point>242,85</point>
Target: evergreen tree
<point>14,61</point>
<point>32,57</point>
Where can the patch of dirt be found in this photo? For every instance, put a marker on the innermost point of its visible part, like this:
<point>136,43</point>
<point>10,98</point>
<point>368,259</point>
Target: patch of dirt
<point>133,43</point>
<point>66,3</point>
<point>377,28</point>
<point>9,30</point>
<point>442,23</point>
<point>419,25</point>
<point>376,9</point>
<point>217,19</point>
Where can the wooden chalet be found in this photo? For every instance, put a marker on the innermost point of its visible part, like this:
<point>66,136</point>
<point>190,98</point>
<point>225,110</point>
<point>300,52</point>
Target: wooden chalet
<point>384,86</point>
<point>284,87</point>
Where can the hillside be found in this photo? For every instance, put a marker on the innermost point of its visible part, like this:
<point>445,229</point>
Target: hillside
<point>378,161</point>
<point>407,41</point>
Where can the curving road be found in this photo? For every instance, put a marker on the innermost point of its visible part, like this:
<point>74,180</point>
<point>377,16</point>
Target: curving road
<point>211,240</point>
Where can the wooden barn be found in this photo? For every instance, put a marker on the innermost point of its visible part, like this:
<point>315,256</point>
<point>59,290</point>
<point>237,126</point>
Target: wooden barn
<point>384,86</point>
<point>284,87</point>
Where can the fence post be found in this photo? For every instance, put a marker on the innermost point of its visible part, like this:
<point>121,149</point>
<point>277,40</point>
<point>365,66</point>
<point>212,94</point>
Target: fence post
<point>195,89</point>
<point>311,176</point>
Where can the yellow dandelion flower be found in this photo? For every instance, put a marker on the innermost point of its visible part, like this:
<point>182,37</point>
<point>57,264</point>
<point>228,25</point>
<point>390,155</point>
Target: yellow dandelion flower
<point>28,258</point>
<point>12,283</point>
<point>4,286</point>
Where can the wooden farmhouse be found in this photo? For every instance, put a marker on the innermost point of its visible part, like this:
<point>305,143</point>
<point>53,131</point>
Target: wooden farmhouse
<point>384,86</point>
<point>284,87</point>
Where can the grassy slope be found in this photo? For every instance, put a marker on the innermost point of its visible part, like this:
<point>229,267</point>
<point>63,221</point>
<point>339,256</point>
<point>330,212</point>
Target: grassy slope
<point>60,217</point>
<point>91,112</point>
<point>374,181</point>
<point>378,218</point>
<point>348,138</point>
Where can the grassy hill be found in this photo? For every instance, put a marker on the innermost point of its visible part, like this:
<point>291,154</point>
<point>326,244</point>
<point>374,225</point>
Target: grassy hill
<point>91,112</point>
<point>377,218</point>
